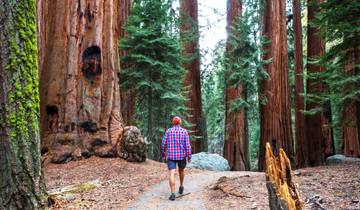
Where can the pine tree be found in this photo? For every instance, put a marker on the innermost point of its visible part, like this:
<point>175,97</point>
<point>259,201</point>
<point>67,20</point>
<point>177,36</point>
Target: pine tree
<point>153,63</point>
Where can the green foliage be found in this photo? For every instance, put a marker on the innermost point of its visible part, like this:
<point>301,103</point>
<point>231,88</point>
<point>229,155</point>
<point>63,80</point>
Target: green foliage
<point>245,67</point>
<point>339,25</point>
<point>213,97</point>
<point>153,66</point>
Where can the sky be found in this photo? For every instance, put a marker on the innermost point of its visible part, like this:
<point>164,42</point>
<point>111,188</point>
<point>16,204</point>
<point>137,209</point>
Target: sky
<point>212,22</point>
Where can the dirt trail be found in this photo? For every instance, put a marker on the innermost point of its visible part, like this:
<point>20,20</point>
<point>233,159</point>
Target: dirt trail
<point>157,196</point>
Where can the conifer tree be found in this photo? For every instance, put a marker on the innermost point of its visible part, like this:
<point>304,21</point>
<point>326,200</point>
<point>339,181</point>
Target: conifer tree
<point>153,63</point>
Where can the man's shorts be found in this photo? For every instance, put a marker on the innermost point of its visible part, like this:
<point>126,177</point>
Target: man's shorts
<point>172,164</point>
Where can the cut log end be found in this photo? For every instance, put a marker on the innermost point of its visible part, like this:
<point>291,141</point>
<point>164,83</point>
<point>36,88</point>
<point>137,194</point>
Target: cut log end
<point>283,193</point>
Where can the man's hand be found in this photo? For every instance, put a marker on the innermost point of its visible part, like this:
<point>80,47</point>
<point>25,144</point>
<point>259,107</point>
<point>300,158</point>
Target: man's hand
<point>189,160</point>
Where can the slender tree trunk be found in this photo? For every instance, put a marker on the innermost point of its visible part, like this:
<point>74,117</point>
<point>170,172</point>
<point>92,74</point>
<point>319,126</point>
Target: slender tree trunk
<point>190,36</point>
<point>21,182</point>
<point>301,151</point>
<point>236,142</point>
<point>318,141</point>
<point>275,115</point>
<point>79,88</point>
<point>127,97</point>
<point>351,138</point>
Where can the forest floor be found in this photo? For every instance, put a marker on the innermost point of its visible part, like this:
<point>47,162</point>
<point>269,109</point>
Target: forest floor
<point>124,185</point>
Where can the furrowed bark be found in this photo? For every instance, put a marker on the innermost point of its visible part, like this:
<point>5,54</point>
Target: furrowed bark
<point>79,88</point>
<point>190,48</point>
<point>318,141</point>
<point>236,142</point>
<point>275,115</point>
<point>301,152</point>
<point>128,97</point>
<point>351,138</point>
<point>21,181</point>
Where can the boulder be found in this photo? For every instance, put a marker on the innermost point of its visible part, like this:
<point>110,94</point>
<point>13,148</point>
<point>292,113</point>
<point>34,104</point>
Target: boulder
<point>207,161</point>
<point>132,146</point>
<point>340,159</point>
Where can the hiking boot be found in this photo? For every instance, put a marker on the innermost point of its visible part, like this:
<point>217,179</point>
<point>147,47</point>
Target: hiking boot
<point>172,197</point>
<point>181,190</point>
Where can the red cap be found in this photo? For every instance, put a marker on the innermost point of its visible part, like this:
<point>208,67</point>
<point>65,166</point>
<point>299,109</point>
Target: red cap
<point>176,120</point>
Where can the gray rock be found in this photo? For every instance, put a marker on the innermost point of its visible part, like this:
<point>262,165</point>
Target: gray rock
<point>132,146</point>
<point>212,162</point>
<point>340,159</point>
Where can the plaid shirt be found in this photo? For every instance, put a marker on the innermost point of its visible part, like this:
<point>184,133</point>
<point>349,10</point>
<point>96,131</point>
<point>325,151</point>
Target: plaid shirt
<point>177,143</point>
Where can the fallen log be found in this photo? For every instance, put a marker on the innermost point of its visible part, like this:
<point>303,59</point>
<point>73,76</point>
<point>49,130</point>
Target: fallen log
<point>283,193</point>
<point>225,184</point>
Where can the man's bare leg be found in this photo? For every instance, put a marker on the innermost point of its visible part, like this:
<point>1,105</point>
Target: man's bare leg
<point>172,180</point>
<point>181,176</point>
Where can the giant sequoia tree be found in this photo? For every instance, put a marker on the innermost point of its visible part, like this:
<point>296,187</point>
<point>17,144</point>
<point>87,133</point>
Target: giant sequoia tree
<point>342,61</point>
<point>301,153</point>
<point>21,184</point>
<point>127,96</point>
<point>318,143</point>
<point>275,115</point>
<point>190,37</point>
<point>79,91</point>
<point>236,142</point>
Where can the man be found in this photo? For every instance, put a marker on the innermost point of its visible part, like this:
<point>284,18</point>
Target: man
<point>176,143</point>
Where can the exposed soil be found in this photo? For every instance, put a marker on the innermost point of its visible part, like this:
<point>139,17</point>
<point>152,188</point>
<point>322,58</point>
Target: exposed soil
<point>126,185</point>
<point>327,187</point>
<point>121,181</point>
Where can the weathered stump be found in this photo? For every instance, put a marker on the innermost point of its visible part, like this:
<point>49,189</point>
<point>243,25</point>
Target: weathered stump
<point>283,193</point>
<point>132,146</point>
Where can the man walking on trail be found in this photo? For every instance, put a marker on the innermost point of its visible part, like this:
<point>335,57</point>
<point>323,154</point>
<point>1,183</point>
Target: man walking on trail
<point>176,143</point>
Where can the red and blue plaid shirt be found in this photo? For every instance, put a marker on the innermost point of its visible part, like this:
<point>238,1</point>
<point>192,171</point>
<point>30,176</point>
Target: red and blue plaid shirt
<point>177,143</point>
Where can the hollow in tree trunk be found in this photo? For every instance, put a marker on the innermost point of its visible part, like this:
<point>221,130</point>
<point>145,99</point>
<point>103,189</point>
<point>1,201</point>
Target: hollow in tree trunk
<point>275,115</point>
<point>21,182</point>
<point>236,142</point>
<point>79,85</point>
<point>190,50</point>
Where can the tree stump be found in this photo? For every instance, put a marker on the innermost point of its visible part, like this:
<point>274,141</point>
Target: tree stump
<point>283,193</point>
<point>132,146</point>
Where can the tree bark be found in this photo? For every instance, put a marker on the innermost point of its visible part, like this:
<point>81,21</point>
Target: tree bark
<point>21,182</point>
<point>351,138</point>
<point>236,141</point>
<point>128,97</point>
<point>318,141</point>
<point>190,48</point>
<point>275,115</point>
<point>79,88</point>
<point>301,152</point>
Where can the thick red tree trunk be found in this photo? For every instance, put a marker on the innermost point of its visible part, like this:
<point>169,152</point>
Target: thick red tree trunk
<point>351,138</point>
<point>127,97</point>
<point>301,152</point>
<point>236,142</point>
<point>275,115</point>
<point>79,85</point>
<point>190,48</point>
<point>318,142</point>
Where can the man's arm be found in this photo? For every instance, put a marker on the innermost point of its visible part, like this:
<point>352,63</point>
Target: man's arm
<point>164,144</point>
<point>187,146</point>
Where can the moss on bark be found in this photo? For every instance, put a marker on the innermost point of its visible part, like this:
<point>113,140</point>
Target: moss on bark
<point>21,181</point>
